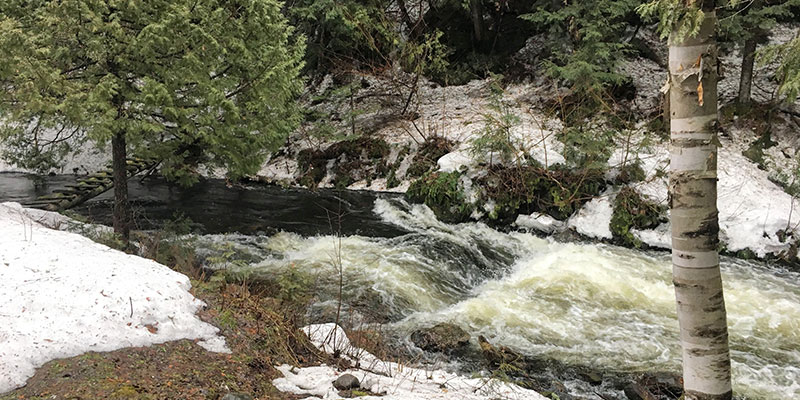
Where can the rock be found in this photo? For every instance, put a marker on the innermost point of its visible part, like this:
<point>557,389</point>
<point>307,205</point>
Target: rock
<point>498,356</point>
<point>443,338</point>
<point>663,384</point>
<point>653,386</point>
<point>635,391</point>
<point>346,382</point>
<point>237,396</point>
<point>592,377</point>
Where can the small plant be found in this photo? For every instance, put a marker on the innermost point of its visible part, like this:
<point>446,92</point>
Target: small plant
<point>587,148</point>
<point>495,140</point>
<point>295,286</point>
<point>632,211</point>
<point>630,172</point>
<point>442,192</point>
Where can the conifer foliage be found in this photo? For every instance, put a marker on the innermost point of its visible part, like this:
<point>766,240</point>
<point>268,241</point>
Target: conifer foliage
<point>183,81</point>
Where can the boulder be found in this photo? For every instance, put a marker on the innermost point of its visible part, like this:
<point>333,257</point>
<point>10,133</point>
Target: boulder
<point>346,382</point>
<point>442,338</point>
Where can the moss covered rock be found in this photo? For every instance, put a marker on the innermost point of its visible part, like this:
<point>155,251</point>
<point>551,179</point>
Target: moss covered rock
<point>633,211</point>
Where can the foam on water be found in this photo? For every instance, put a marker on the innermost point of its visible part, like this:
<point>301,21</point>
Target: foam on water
<point>597,305</point>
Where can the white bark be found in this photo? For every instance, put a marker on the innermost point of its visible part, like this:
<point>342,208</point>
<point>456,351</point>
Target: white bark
<point>693,194</point>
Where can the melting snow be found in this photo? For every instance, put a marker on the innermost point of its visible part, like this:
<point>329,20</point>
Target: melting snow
<point>594,218</point>
<point>62,295</point>
<point>393,381</point>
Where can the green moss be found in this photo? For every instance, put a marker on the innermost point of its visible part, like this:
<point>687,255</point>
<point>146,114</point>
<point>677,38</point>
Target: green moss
<point>442,193</point>
<point>227,320</point>
<point>125,392</point>
<point>755,153</point>
<point>391,179</point>
<point>746,254</point>
<point>558,191</point>
<point>632,211</point>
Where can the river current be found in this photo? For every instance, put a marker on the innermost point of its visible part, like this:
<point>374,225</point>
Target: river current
<point>606,307</point>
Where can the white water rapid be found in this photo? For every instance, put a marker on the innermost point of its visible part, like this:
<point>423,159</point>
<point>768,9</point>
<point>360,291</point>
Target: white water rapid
<point>585,304</point>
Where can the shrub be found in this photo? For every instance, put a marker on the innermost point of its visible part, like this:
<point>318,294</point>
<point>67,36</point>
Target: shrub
<point>632,211</point>
<point>442,192</point>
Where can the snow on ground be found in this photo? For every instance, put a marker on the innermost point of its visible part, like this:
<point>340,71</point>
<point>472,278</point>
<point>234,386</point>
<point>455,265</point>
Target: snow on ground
<point>751,208</point>
<point>62,294</point>
<point>393,381</point>
<point>538,221</point>
<point>594,218</point>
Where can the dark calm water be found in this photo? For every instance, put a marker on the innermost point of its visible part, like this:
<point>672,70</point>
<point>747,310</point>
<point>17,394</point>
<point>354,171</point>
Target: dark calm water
<point>215,207</point>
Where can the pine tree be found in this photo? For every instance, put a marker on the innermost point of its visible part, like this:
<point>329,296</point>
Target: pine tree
<point>749,24</point>
<point>787,56</point>
<point>181,81</point>
<point>587,40</point>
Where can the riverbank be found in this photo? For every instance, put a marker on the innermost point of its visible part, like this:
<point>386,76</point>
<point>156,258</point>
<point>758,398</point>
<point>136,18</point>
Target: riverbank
<point>250,345</point>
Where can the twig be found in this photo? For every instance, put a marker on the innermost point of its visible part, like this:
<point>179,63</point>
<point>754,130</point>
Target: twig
<point>131,301</point>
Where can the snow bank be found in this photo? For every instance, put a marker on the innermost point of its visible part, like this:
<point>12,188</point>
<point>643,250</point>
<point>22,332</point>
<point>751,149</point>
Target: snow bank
<point>751,208</point>
<point>62,294</point>
<point>594,218</point>
<point>394,381</point>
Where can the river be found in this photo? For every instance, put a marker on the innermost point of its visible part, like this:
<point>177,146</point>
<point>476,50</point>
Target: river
<point>605,307</point>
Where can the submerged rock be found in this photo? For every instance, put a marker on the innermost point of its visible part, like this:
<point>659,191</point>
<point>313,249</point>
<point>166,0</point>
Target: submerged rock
<point>443,338</point>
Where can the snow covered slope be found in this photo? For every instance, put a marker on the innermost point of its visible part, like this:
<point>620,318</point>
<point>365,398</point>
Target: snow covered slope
<point>62,294</point>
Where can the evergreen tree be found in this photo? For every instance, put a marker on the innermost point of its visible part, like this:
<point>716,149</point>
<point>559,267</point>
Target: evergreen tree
<point>787,56</point>
<point>181,81</point>
<point>587,40</point>
<point>750,24</point>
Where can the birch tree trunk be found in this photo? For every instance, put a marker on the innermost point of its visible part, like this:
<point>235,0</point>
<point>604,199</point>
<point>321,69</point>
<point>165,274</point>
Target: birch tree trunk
<point>693,204</point>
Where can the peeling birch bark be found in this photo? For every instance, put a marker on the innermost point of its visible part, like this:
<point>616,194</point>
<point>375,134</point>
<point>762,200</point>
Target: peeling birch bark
<point>695,227</point>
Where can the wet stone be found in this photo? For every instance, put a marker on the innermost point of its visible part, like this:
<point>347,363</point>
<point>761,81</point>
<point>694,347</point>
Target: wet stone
<point>442,338</point>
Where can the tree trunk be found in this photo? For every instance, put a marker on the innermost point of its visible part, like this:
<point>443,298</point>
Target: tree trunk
<point>476,10</point>
<point>693,204</point>
<point>746,78</point>
<point>122,212</point>
<point>406,17</point>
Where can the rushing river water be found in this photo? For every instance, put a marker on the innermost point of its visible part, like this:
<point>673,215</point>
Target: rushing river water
<point>580,304</point>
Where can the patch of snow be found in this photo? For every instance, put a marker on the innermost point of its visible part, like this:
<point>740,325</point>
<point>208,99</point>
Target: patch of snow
<point>62,295</point>
<point>660,237</point>
<point>455,161</point>
<point>594,217</point>
<point>540,222</point>
<point>392,381</point>
<point>471,193</point>
<point>281,169</point>
<point>751,208</point>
